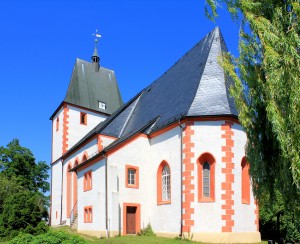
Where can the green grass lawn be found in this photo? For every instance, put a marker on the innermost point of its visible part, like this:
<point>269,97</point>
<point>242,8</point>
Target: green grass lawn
<point>138,239</point>
<point>126,239</point>
<point>133,239</point>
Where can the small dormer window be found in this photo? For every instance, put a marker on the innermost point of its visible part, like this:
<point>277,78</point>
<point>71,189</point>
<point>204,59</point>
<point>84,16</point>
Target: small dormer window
<point>101,105</point>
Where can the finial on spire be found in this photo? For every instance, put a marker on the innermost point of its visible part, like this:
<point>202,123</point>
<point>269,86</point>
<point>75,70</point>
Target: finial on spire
<point>95,57</point>
<point>96,36</point>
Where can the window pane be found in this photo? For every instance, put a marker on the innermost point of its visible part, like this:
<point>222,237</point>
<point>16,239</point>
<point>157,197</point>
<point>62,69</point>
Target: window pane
<point>131,176</point>
<point>90,180</point>
<point>166,188</point>
<point>206,179</point>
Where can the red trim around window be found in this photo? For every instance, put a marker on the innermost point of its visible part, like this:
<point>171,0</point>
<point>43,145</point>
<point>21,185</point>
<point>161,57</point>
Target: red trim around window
<point>159,184</point>
<point>87,181</point>
<point>245,182</point>
<point>57,123</point>
<point>206,157</point>
<point>83,118</point>
<point>136,183</point>
<point>88,214</point>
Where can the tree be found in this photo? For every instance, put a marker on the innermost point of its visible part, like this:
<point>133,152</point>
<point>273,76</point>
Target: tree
<point>23,183</point>
<point>22,211</point>
<point>18,162</point>
<point>278,219</point>
<point>266,89</point>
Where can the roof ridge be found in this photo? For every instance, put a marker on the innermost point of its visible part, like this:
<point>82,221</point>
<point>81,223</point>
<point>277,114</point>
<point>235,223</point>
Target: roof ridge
<point>103,124</point>
<point>88,62</point>
<point>130,114</point>
<point>212,95</point>
<point>183,56</point>
<point>203,64</point>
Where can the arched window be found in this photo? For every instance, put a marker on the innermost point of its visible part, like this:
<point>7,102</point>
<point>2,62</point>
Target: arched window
<point>166,187</point>
<point>75,188</point>
<point>206,178</point>
<point>163,183</point>
<point>69,190</point>
<point>245,182</point>
<point>84,157</point>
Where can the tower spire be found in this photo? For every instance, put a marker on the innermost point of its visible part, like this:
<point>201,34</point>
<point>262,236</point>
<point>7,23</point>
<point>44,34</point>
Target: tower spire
<point>95,57</point>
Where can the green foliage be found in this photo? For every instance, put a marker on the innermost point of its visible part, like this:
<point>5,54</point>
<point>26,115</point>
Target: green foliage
<point>22,239</point>
<point>266,90</point>
<point>22,184</point>
<point>277,219</point>
<point>51,237</point>
<point>22,209</point>
<point>18,162</point>
<point>147,231</point>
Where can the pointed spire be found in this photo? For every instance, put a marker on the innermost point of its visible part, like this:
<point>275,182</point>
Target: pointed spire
<point>95,57</point>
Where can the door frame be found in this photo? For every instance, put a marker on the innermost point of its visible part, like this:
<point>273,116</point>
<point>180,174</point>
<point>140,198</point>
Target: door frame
<point>137,216</point>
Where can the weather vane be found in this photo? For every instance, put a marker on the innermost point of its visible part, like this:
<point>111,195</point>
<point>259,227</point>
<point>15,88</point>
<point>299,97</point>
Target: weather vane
<point>96,36</point>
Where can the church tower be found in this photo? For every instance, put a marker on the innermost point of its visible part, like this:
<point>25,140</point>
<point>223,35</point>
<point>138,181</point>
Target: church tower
<point>93,95</point>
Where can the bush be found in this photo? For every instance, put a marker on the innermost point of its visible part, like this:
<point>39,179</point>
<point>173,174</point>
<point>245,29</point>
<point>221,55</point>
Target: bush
<point>51,237</point>
<point>22,238</point>
<point>147,231</point>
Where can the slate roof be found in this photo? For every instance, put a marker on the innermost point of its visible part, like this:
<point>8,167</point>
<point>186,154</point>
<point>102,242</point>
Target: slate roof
<point>194,86</point>
<point>87,87</point>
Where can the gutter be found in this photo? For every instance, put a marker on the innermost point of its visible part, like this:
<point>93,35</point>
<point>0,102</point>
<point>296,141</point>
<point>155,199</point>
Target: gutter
<point>106,198</point>
<point>61,190</point>
<point>181,180</point>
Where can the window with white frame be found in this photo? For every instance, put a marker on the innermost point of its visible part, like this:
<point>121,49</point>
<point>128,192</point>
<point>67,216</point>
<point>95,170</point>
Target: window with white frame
<point>131,176</point>
<point>166,188</point>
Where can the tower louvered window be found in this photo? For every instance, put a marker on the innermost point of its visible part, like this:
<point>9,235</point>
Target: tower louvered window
<point>206,179</point>
<point>166,189</point>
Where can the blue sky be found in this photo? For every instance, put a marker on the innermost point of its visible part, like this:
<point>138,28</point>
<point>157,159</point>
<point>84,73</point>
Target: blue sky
<point>40,41</point>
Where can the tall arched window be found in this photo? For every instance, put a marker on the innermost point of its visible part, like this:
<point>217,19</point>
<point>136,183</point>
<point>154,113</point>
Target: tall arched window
<point>166,187</point>
<point>163,183</point>
<point>245,182</point>
<point>75,188</point>
<point>68,190</point>
<point>84,157</point>
<point>206,178</point>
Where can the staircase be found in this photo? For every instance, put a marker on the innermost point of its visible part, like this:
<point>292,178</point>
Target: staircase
<point>73,217</point>
<point>74,223</point>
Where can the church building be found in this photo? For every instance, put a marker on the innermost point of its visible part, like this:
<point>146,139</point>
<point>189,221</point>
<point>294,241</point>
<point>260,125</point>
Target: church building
<point>173,156</point>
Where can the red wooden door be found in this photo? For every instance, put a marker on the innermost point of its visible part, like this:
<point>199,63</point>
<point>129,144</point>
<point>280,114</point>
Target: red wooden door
<point>131,220</point>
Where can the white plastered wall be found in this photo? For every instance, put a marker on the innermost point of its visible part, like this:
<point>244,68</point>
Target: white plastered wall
<point>165,218</point>
<point>106,140</point>
<point>207,138</point>
<point>77,130</point>
<point>147,155</point>
<point>90,148</point>
<point>94,197</point>
<point>244,217</point>
<point>56,192</point>
<point>57,135</point>
<point>134,154</point>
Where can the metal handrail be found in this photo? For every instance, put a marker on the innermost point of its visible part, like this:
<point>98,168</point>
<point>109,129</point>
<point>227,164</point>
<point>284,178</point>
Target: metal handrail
<point>73,213</point>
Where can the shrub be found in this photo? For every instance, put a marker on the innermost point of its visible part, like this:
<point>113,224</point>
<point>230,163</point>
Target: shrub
<point>22,238</point>
<point>147,231</point>
<point>51,237</point>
